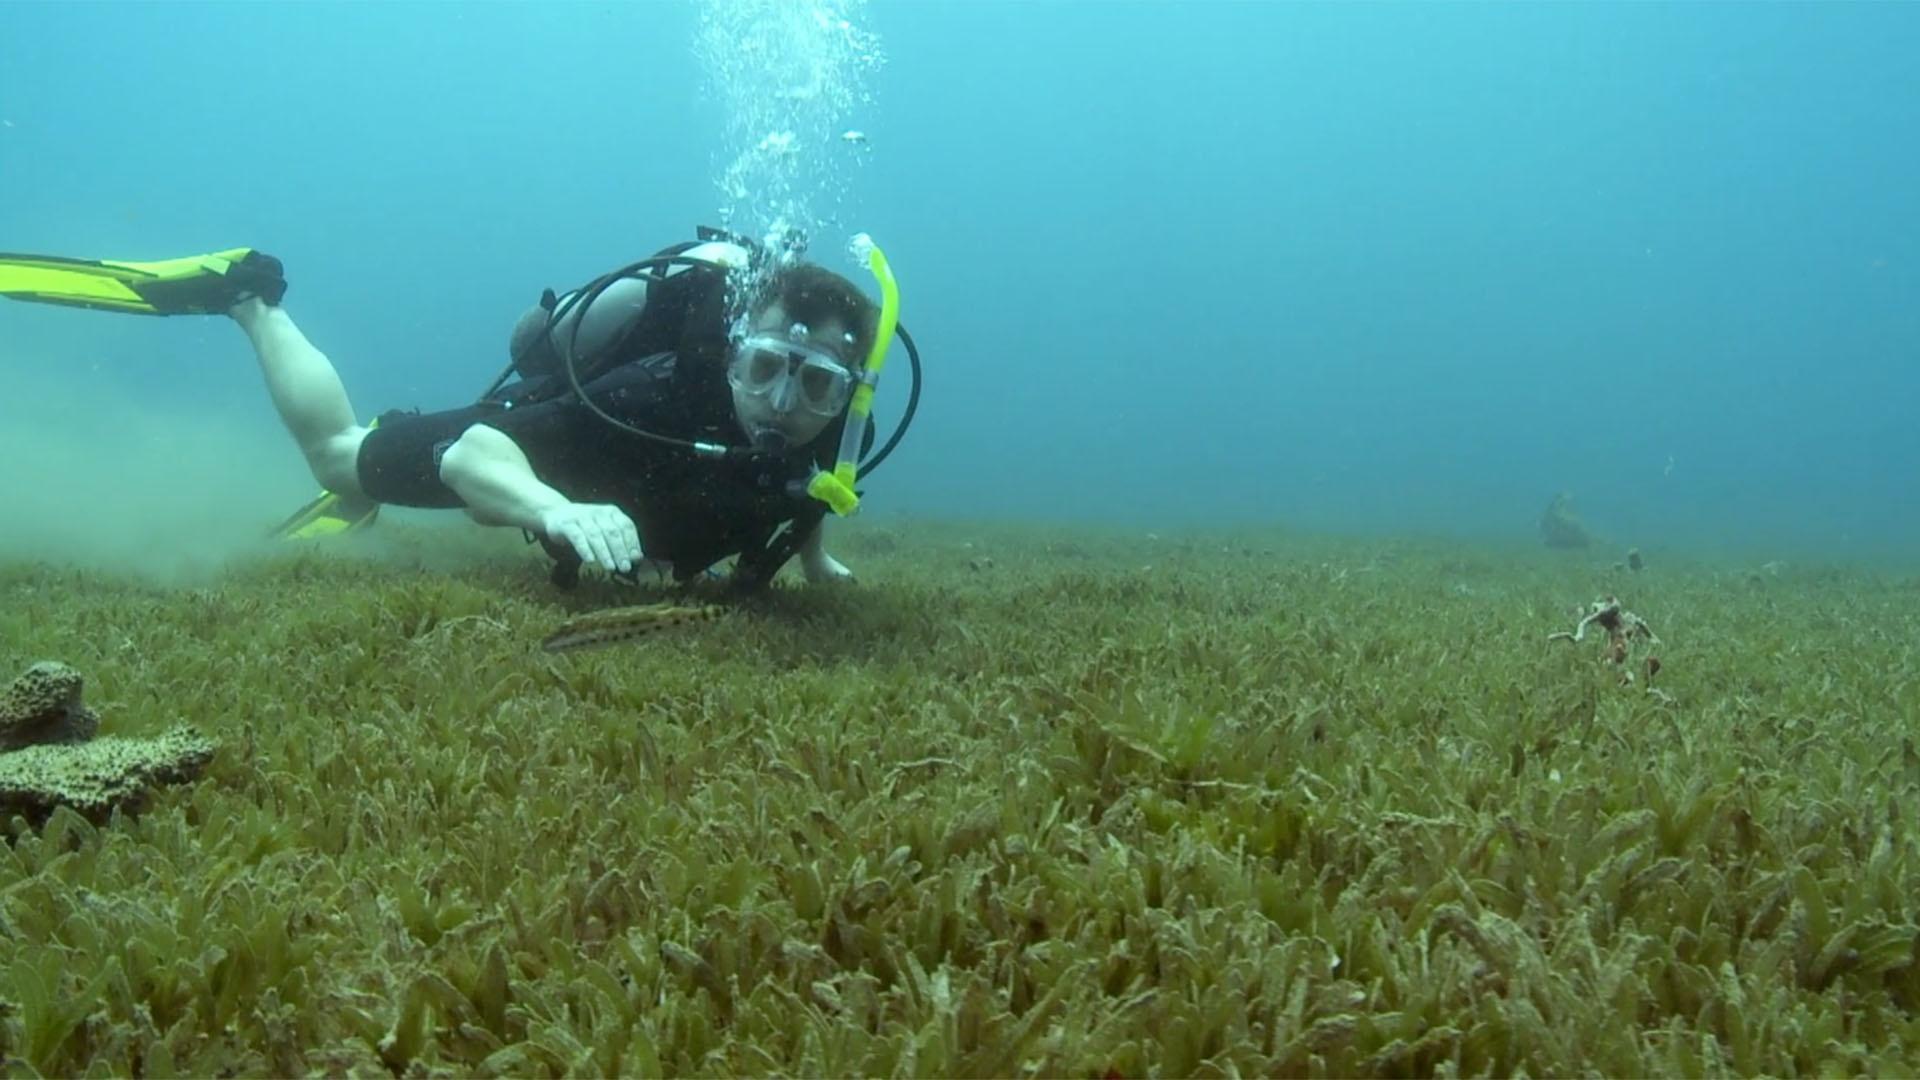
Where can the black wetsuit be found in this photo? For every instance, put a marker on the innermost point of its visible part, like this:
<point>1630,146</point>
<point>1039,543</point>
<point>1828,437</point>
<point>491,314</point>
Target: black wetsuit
<point>668,376</point>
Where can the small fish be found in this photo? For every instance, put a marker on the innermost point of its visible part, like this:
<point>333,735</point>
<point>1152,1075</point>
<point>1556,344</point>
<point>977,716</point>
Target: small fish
<point>854,135</point>
<point>615,625</point>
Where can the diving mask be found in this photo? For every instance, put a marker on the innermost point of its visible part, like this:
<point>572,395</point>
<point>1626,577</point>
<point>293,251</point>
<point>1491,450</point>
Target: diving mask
<point>785,375</point>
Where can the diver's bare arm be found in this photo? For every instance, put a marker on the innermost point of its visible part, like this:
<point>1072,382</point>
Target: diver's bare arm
<point>495,480</point>
<point>493,477</point>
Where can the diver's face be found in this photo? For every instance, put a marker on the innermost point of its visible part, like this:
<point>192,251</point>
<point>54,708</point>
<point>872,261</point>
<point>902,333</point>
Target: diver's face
<point>790,380</point>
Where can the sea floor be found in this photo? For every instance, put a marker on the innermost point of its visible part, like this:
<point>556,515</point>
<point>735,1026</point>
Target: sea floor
<point>1020,802</point>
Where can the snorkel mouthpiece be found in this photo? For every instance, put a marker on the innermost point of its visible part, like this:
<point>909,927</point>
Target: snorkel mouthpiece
<point>770,441</point>
<point>836,488</point>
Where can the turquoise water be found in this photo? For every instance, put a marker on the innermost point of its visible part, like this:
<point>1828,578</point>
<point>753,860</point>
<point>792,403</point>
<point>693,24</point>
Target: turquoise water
<point>1375,269</point>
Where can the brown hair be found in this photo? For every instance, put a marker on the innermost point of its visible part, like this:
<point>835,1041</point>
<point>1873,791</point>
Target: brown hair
<point>813,294</point>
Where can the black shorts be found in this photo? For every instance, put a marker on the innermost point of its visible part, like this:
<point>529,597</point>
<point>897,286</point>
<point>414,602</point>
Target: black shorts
<point>399,462</point>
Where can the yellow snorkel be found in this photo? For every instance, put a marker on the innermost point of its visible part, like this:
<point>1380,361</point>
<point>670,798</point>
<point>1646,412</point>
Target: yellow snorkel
<point>836,488</point>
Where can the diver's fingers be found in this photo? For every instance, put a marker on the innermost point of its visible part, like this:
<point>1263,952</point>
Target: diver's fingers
<point>617,532</point>
<point>597,538</point>
<point>577,536</point>
<point>630,537</point>
<point>602,535</point>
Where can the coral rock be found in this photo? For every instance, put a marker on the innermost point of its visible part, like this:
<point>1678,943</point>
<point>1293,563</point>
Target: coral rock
<point>1560,527</point>
<point>43,706</point>
<point>95,778</point>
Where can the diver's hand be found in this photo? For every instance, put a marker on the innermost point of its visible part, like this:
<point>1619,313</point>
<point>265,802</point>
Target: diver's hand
<point>600,534</point>
<point>822,568</point>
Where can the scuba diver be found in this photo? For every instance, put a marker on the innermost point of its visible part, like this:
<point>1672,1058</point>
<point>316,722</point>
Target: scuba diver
<point>711,401</point>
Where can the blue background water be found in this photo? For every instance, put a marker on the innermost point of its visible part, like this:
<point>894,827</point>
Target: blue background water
<point>1371,268</point>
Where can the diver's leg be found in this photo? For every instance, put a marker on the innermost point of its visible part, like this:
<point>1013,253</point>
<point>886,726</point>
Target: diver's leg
<point>309,396</point>
<point>819,566</point>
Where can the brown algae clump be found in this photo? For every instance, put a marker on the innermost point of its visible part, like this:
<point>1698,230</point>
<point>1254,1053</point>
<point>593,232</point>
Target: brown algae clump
<point>1623,628</point>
